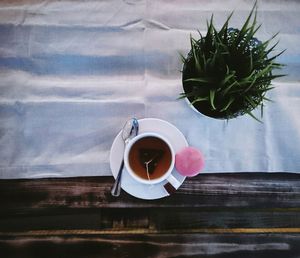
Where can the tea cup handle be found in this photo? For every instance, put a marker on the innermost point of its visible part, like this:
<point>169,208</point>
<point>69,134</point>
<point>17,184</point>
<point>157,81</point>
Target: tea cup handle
<point>172,185</point>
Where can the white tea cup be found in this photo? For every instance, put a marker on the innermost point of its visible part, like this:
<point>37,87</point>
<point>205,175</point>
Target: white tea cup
<point>129,160</point>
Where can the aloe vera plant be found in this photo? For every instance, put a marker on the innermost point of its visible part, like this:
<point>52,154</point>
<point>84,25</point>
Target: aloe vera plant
<point>228,72</point>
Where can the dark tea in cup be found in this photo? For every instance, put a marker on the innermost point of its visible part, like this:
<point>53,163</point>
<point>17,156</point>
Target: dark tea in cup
<point>149,158</point>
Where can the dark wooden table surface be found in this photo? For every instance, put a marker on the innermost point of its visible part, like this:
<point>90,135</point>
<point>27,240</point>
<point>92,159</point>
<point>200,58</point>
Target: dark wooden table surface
<point>221,215</point>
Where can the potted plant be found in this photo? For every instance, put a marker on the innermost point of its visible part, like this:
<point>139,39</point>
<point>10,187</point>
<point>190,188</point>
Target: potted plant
<point>228,72</point>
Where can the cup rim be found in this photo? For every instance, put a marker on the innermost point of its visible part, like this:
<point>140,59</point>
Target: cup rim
<point>133,174</point>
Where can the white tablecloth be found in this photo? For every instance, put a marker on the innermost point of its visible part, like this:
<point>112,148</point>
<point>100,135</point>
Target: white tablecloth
<point>73,72</point>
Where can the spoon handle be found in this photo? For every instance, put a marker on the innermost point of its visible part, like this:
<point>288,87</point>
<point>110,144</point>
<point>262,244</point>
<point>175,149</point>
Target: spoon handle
<point>116,189</point>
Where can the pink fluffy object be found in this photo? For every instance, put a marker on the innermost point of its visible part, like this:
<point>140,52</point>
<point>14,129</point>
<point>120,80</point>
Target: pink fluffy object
<point>189,161</point>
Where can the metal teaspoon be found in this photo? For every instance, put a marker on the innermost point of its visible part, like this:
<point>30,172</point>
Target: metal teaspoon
<point>130,129</point>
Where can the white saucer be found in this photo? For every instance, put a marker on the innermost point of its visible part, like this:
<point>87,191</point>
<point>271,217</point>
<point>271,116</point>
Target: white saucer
<point>128,184</point>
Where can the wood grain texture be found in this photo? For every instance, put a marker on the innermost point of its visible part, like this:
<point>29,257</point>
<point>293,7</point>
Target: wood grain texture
<point>247,190</point>
<point>155,246</point>
<point>221,215</point>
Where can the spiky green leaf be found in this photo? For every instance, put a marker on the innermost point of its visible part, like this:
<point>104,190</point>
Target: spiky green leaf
<point>231,100</point>
<point>253,116</point>
<point>212,98</point>
<point>199,100</point>
<point>204,80</point>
